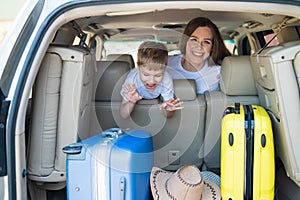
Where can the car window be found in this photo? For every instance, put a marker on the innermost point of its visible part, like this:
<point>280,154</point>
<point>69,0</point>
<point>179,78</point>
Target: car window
<point>267,38</point>
<point>271,39</point>
<point>131,47</point>
<point>230,46</point>
<point>122,47</point>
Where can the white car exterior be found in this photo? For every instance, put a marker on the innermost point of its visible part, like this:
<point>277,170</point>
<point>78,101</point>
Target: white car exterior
<point>28,39</point>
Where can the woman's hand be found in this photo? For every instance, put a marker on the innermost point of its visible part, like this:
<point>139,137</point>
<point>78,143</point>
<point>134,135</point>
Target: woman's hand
<point>131,93</point>
<point>171,105</point>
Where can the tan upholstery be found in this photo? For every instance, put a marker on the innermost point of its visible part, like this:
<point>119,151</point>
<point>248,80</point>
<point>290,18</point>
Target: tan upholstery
<point>276,71</point>
<point>237,78</point>
<point>121,57</point>
<point>110,76</point>
<point>185,90</point>
<point>60,110</point>
<point>176,140</point>
<point>237,85</point>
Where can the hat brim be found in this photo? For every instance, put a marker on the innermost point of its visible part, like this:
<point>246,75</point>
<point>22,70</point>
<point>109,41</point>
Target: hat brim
<point>159,177</point>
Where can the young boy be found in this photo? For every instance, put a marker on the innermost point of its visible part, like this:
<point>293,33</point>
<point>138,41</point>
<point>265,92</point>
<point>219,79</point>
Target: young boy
<point>149,80</point>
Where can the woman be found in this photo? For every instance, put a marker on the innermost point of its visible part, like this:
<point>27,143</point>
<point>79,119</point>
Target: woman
<point>202,49</point>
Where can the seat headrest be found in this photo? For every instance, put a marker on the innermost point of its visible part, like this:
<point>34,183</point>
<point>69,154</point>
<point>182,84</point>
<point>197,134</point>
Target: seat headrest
<point>121,57</point>
<point>111,77</point>
<point>237,77</point>
<point>185,89</point>
<point>65,35</point>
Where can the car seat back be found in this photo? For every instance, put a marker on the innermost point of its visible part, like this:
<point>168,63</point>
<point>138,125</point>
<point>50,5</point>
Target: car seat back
<point>121,57</point>
<point>237,86</point>
<point>276,71</point>
<point>61,103</point>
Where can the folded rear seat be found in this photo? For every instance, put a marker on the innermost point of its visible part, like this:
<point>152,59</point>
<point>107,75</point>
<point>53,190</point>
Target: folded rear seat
<point>277,74</point>
<point>61,103</point>
<point>237,85</point>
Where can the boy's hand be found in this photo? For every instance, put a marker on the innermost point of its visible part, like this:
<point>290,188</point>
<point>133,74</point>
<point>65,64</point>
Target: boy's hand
<point>131,93</point>
<point>171,105</point>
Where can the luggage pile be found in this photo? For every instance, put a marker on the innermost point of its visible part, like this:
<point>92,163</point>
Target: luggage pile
<point>116,164</point>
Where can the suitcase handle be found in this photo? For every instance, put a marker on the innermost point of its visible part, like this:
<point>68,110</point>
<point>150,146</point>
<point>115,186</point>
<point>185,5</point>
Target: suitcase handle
<point>237,108</point>
<point>113,133</point>
<point>72,149</point>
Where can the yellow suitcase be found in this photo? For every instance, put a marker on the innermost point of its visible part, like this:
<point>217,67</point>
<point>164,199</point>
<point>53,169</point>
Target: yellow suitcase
<point>247,154</point>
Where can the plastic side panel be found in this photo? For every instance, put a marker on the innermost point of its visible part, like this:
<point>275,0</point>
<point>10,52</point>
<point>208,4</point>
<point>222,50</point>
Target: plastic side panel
<point>263,164</point>
<point>262,71</point>
<point>268,99</point>
<point>232,156</point>
<point>287,134</point>
<point>277,63</point>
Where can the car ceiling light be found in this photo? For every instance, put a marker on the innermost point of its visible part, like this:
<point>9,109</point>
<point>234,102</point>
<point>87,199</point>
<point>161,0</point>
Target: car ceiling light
<point>132,12</point>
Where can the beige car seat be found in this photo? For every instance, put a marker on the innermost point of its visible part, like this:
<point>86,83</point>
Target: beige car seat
<point>121,57</point>
<point>237,85</point>
<point>61,103</point>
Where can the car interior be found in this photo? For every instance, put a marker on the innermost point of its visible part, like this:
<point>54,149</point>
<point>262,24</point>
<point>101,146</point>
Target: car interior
<point>84,61</point>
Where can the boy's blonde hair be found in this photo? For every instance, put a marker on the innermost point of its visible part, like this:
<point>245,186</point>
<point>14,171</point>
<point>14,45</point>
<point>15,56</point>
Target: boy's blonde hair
<point>152,54</point>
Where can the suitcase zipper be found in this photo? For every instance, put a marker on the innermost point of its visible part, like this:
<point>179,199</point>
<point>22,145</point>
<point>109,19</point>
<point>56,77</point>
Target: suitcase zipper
<point>249,130</point>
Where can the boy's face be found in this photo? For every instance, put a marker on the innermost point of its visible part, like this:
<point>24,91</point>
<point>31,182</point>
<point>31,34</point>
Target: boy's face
<point>150,77</point>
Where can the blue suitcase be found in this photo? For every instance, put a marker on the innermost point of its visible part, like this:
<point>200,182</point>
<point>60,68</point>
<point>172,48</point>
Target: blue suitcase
<point>112,165</point>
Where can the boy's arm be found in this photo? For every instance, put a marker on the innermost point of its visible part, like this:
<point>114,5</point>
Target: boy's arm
<point>130,97</point>
<point>126,108</point>
<point>172,104</point>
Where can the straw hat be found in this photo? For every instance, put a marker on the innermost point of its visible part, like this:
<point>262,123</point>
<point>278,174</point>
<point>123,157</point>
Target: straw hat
<point>185,184</point>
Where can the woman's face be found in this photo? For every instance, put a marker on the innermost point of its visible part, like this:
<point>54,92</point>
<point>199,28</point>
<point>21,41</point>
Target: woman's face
<point>199,46</point>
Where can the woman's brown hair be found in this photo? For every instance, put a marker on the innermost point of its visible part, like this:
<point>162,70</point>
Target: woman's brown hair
<point>219,50</point>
